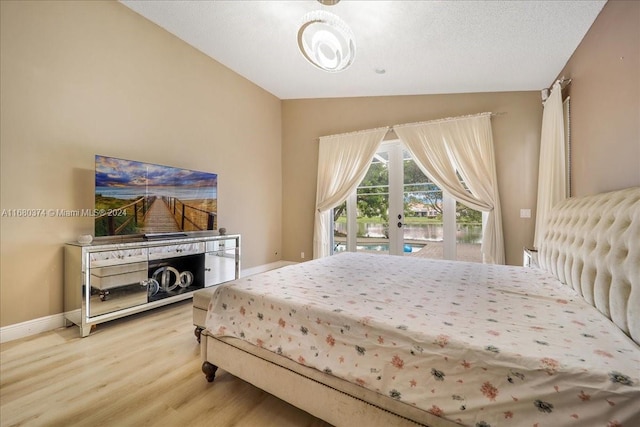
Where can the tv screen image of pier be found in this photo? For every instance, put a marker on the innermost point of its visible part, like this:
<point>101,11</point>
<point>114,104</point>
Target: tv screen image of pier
<point>133,197</point>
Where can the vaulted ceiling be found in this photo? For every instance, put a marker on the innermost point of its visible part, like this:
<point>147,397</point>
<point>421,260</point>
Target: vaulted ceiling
<point>403,47</point>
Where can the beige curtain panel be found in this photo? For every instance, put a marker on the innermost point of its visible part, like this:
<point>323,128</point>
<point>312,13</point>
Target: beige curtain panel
<point>343,161</point>
<point>462,145</point>
<point>552,170</point>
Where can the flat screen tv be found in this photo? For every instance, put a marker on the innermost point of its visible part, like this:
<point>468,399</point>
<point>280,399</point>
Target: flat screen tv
<point>137,198</point>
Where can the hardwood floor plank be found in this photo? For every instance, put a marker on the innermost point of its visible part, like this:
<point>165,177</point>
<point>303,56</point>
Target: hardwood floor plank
<point>143,370</point>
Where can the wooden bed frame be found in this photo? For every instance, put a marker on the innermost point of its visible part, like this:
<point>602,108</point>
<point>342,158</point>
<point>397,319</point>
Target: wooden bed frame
<point>591,244</point>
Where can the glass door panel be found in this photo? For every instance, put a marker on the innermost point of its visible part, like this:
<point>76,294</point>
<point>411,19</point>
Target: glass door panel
<point>339,242</point>
<point>372,207</point>
<point>423,212</point>
<point>468,233</point>
<point>397,210</point>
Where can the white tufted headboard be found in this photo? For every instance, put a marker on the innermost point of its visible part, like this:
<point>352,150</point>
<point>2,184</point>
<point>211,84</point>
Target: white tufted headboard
<point>592,244</point>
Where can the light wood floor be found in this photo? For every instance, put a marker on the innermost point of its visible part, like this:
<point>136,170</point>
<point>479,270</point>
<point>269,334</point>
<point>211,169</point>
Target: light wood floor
<point>143,370</point>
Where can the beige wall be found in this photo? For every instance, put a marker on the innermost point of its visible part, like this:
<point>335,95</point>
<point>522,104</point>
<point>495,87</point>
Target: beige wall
<point>605,101</point>
<point>516,138</point>
<point>86,78</point>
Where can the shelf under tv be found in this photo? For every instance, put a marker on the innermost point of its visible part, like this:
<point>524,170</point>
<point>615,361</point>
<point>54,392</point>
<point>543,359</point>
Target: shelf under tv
<point>168,235</point>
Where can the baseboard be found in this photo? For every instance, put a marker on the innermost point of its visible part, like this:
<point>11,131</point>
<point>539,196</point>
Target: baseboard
<point>49,323</point>
<point>264,267</point>
<point>31,327</point>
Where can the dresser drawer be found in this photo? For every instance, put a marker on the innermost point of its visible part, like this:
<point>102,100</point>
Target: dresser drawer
<point>103,301</point>
<point>107,258</point>
<point>221,245</point>
<point>172,251</point>
<point>119,275</point>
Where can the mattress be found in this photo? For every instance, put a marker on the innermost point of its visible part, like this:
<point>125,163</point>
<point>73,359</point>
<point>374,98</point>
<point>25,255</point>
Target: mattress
<point>477,344</point>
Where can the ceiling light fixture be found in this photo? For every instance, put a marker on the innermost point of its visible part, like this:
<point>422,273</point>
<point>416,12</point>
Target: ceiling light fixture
<point>326,41</point>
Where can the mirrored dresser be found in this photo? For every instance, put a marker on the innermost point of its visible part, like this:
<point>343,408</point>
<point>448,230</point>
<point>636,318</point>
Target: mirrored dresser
<point>109,279</point>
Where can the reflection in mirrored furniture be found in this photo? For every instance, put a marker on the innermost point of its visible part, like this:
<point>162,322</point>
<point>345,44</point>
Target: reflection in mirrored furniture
<point>530,257</point>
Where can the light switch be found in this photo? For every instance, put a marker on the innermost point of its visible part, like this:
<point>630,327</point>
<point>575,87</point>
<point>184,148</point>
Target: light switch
<point>525,213</point>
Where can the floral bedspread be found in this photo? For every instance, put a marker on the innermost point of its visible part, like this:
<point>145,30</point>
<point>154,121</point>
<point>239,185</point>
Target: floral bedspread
<point>482,345</point>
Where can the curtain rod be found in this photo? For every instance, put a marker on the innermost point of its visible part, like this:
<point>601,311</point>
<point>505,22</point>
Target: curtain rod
<point>390,128</point>
<point>356,132</point>
<point>564,81</point>
<point>446,119</point>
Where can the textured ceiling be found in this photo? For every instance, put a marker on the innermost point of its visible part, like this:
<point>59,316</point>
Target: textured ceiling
<point>425,47</point>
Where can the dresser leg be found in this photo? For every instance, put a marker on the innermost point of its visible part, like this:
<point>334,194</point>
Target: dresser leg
<point>86,330</point>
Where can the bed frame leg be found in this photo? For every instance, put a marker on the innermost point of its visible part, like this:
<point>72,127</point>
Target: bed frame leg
<point>209,370</point>
<point>198,332</point>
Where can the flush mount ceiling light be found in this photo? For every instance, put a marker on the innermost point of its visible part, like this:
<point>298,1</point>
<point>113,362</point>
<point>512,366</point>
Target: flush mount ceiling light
<point>326,41</point>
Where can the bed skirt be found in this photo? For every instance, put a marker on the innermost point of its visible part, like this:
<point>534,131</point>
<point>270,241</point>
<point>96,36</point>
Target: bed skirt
<point>329,398</point>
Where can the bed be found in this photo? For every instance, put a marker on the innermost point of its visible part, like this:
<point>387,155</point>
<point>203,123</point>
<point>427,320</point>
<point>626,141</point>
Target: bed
<point>362,339</point>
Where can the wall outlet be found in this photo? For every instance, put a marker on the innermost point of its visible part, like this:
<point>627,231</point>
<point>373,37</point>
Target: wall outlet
<point>301,255</point>
<point>525,213</point>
